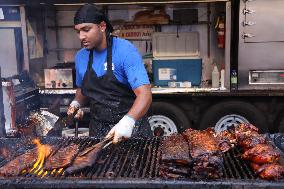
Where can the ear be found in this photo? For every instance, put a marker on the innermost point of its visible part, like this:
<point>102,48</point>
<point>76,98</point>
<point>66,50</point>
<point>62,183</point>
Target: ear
<point>103,26</point>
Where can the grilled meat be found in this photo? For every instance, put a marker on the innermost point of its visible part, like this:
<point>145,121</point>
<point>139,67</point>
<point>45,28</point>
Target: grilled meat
<point>169,175</point>
<point>228,135</point>
<point>201,142</point>
<point>244,127</point>
<point>24,161</point>
<point>224,144</point>
<point>62,158</point>
<point>255,167</point>
<point>206,154</point>
<point>5,153</point>
<point>271,171</point>
<point>252,141</point>
<point>262,154</point>
<point>175,157</point>
<point>175,150</point>
<point>244,131</point>
<point>174,169</point>
<point>86,158</point>
<point>200,172</point>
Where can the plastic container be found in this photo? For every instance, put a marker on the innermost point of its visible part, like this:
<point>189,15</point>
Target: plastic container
<point>215,77</point>
<point>186,70</point>
<point>176,59</point>
<point>168,45</point>
<point>222,80</point>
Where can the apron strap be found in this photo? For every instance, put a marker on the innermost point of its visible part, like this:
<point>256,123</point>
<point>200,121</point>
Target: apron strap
<point>109,54</point>
<point>91,59</point>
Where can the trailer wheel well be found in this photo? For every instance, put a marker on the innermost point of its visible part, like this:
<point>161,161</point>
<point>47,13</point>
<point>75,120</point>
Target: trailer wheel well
<point>239,108</point>
<point>172,112</point>
<point>279,122</point>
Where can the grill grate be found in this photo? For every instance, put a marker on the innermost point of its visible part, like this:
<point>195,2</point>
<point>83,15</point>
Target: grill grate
<point>134,158</point>
<point>132,164</point>
<point>235,167</point>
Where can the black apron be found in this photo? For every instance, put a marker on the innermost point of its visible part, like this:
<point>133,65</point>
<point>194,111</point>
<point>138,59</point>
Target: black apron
<point>110,100</point>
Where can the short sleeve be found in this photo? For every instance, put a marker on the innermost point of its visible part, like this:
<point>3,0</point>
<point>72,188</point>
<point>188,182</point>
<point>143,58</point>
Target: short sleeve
<point>79,78</point>
<point>134,69</point>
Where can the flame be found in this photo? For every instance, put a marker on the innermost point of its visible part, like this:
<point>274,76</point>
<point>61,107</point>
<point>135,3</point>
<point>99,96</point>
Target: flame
<point>60,170</point>
<point>43,150</point>
<point>52,172</point>
<point>45,173</point>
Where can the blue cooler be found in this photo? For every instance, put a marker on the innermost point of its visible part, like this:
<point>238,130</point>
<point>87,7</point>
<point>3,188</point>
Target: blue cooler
<point>178,70</point>
<point>176,59</point>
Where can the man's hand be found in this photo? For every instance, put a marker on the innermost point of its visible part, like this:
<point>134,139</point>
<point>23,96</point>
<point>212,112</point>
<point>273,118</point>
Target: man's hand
<point>122,130</point>
<point>73,107</point>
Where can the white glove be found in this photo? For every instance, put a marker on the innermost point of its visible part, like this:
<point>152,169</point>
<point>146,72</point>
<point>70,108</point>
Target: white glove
<point>122,130</point>
<point>75,105</point>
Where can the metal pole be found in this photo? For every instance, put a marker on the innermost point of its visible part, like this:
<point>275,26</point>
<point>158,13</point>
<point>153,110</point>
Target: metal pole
<point>208,29</point>
<point>76,128</point>
<point>2,119</point>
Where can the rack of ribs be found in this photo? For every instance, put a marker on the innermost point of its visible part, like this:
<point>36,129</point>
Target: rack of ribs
<point>62,158</point>
<point>175,157</point>
<point>15,166</point>
<point>175,150</point>
<point>205,152</point>
<point>85,158</point>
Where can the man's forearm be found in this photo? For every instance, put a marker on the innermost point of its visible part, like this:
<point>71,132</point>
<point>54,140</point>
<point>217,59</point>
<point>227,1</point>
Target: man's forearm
<point>142,102</point>
<point>80,98</point>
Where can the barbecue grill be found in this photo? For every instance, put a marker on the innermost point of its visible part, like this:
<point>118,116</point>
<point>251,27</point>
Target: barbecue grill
<point>131,164</point>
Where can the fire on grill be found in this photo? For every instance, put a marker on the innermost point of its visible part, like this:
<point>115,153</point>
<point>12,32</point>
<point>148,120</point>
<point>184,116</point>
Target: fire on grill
<point>32,160</point>
<point>46,158</point>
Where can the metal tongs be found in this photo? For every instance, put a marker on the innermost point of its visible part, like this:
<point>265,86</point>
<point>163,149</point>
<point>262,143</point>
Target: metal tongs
<point>105,141</point>
<point>109,140</point>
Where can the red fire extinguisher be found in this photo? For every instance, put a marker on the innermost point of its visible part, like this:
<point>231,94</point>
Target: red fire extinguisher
<point>220,28</point>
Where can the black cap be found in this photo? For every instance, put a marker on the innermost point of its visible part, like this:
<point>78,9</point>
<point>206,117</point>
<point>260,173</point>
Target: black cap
<point>89,13</point>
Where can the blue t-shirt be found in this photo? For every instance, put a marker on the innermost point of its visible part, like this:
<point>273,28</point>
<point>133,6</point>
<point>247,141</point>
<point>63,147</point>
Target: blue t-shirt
<point>127,64</point>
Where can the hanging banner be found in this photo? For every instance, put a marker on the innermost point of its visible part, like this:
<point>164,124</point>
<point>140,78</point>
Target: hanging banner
<point>136,32</point>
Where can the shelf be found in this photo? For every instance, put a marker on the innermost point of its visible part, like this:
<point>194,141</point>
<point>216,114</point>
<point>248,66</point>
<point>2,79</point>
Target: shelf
<point>64,49</point>
<point>170,23</point>
<point>56,27</point>
<point>115,23</point>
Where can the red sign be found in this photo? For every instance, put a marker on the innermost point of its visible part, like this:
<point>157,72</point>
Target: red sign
<point>137,32</point>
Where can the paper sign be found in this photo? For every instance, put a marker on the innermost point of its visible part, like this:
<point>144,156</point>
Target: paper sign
<point>140,32</point>
<point>167,74</point>
<point>1,14</point>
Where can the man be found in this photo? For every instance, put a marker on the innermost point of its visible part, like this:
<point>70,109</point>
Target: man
<point>110,73</point>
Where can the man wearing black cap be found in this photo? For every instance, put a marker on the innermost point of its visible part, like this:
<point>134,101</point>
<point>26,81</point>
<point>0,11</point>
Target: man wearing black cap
<point>110,73</point>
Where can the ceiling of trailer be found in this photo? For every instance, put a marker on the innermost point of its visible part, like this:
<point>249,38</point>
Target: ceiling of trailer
<point>101,2</point>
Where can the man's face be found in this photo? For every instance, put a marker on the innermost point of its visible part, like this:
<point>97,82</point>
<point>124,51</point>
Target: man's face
<point>90,35</point>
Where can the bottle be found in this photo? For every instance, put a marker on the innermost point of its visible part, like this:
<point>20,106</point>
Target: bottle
<point>234,80</point>
<point>222,80</point>
<point>215,77</point>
